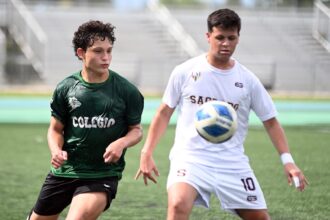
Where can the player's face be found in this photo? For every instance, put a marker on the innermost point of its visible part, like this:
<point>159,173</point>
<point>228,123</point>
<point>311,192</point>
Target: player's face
<point>222,43</point>
<point>97,58</point>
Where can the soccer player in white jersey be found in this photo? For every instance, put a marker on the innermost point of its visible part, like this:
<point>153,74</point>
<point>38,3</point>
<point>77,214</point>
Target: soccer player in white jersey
<point>199,168</point>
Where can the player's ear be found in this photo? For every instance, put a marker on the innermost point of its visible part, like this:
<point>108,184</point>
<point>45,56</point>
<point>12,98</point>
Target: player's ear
<point>208,34</point>
<point>80,53</point>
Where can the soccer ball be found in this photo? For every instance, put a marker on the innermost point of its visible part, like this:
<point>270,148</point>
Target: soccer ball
<point>216,121</point>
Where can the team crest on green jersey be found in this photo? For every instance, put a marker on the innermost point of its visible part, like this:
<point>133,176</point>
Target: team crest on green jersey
<point>74,103</point>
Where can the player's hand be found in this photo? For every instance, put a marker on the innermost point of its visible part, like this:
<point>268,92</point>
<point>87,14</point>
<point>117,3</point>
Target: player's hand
<point>295,176</point>
<point>113,152</point>
<point>147,169</point>
<point>58,158</point>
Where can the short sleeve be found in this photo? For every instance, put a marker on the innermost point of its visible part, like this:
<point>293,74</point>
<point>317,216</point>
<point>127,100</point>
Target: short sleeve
<point>135,105</point>
<point>262,103</point>
<point>172,92</point>
<point>58,104</point>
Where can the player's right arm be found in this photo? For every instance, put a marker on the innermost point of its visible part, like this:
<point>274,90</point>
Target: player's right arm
<point>55,142</point>
<point>156,130</point>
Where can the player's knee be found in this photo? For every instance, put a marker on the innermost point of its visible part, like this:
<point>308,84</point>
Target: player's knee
<point>34,216</point>
<point>179,206</point>
<point>83,215</point>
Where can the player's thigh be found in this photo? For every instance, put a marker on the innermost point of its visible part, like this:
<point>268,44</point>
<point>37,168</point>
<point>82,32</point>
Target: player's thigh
<point>181,195</point>
<point>55,195</point>
<point>248,214</point>
<point>195,176</point>
<point>87,205</point>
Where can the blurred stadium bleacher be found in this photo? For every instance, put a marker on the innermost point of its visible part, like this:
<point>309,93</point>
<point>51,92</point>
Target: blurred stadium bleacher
<point>278,44</point>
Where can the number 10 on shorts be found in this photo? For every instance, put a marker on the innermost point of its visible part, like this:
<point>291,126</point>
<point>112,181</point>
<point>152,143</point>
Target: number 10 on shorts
<point>248,184</point>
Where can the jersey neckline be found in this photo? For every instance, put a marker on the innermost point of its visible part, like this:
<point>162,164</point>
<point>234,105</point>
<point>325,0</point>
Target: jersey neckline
<point>93,85</point>
<point>217,70</point>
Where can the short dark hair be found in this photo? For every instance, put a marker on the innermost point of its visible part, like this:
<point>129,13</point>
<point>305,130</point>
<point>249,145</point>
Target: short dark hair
<point>86,34</point>
<point>224,18</point>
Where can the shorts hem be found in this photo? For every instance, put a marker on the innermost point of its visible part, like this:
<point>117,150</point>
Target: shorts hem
<point>233,208</point>
<point>205,203</point>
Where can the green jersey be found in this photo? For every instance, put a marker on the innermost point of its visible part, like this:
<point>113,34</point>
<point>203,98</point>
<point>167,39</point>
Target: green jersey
<point>94,115</point>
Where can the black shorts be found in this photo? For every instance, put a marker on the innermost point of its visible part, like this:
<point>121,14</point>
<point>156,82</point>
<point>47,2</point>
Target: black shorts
<point>57,192</point>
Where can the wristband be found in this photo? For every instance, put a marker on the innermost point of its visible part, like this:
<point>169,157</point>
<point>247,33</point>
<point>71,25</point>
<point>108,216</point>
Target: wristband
<point>286,158</point>
<point>296,181</point>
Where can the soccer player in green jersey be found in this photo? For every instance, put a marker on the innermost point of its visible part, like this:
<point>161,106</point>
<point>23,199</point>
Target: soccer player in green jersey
<point>95,117</point>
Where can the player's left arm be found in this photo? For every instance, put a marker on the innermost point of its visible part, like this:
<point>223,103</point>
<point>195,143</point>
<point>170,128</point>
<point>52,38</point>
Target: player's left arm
<point>279,140</point>
<point>114,151</point>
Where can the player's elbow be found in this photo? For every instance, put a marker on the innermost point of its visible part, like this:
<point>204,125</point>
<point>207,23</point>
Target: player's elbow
<point>139,136</point>
<point>138,133</point>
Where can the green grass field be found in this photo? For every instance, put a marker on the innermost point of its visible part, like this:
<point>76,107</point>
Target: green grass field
<point>24,162</point>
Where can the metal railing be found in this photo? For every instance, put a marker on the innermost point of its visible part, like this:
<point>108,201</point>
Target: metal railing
<point>28,34</point>
<point>174,28</point>
<point>321,29</point>
<point>3,17</point>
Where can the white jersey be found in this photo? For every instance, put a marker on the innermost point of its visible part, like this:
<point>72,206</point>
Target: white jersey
<point>195,82</point>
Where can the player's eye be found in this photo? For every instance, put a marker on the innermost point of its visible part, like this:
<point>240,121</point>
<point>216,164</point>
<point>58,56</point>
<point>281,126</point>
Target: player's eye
<point>231,38</point>
<point>220,38</point>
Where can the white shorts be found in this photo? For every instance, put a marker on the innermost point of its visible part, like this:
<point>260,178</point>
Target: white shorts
<point>235,190</point>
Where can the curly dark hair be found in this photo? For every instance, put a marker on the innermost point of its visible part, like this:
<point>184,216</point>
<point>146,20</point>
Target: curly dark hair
<point>224,18</point>
<point>89,31</point>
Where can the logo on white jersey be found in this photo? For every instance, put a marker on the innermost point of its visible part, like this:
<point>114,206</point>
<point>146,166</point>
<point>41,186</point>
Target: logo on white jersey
<point>251,198</point>
<point>181,172</point>
<point>195,75</point>
<point>239,85</point>
<point>74,103</point>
